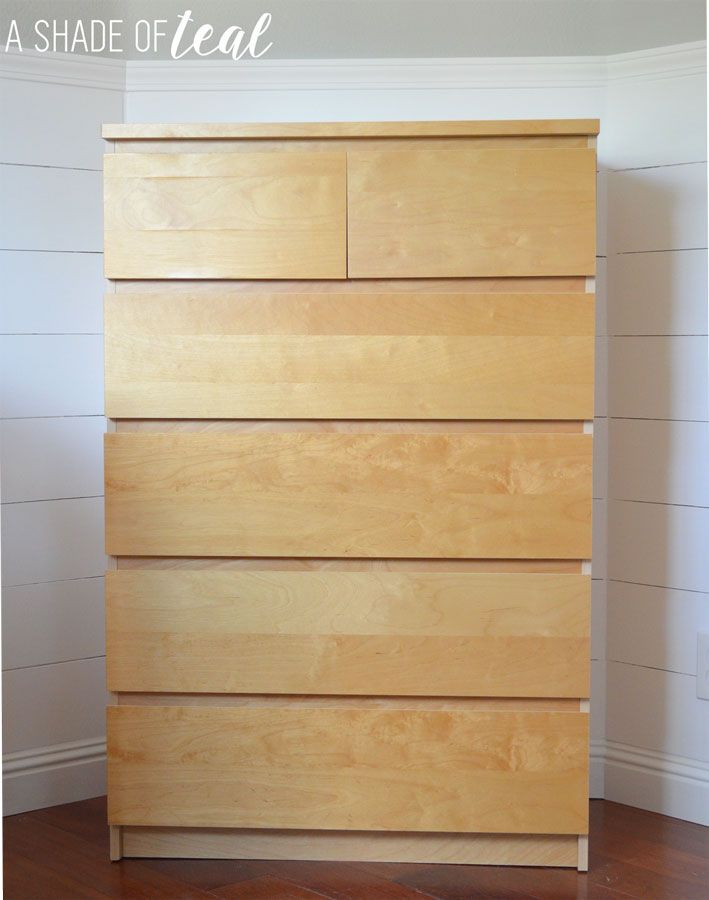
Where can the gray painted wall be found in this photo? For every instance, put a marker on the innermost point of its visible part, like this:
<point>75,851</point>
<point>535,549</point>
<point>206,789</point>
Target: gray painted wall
<point>321,29</point>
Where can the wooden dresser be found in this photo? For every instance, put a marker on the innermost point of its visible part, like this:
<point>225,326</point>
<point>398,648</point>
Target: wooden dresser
<point>349,376</point>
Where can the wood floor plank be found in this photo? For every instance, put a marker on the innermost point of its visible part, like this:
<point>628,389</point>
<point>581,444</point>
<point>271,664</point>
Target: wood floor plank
<point>339,880</point>
<point>61,854</point>
<point>641,881</point>
<point>266,888</point>
<point>76,859</point>
<point>28,879</point>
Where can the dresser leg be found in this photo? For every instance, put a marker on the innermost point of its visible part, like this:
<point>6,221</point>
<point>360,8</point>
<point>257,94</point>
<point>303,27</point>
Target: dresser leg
<point>115,842</point>
<point>583,853</point>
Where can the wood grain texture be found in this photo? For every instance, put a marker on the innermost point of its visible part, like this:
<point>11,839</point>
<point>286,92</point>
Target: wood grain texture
<point>335,144</point>
<point>378,355</point>
<point>401,847</point>
<point>259,701</point>
<point>246,215</point>
<point>348,633</point>
<point>351,129</point>
<point>415,214</point>
<point>354,426</point>
<point>502,285</point>
<point>382,770</point>
<point>379,495</point>
<point>306,564</point>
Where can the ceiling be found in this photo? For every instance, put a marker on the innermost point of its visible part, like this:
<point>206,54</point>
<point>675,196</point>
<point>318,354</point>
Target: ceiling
<point>331,29</point>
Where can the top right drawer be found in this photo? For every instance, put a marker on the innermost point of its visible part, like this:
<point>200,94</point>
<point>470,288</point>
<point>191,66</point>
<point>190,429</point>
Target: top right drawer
<point>429,213</point>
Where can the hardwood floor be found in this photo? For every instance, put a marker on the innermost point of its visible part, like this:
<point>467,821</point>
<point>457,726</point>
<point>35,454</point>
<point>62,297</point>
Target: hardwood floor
<point>61,853</point>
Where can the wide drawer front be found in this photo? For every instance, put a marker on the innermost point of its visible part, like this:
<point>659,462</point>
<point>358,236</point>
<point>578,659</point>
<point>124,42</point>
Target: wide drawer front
<point>349,495</point>
<point>348,768</point>
<point>345,356</point>
<point>371,633</point>
<point>451,213</point>
<point>225,215</point>
<point>407,213</point>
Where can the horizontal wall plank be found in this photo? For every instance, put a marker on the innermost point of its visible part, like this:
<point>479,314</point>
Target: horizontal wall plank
<point>225,215</point>
<point>601,216</point>
<point>36,201</point>
<point>600,459</point>
<point>56,704</point>
<point>433,213</point>
<point>382,495</point>
<point>304,768</point>
<point>379,355</point>
<point>598,619</point>
<point>630,135</point>
<point>51,293</point>
<point>598,700</point>
<point>663,208</point>
<point>52,540</point>
<point>601,285</point>
<point>51,375</point>
<point>659,293</point>
<point>658,545</point>
<point>665,462</point>
<point>679,722</point>
<point>600,538</point>
<point>52,622</point>
<point>348,633</point>
<point>655,627</point>
<point>601,377</point>
<point>71,114</point>
<point>658,378</point>
<point>47,459</point>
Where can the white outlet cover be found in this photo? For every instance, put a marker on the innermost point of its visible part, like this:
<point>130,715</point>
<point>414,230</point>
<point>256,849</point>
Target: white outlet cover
<point>703,666</point>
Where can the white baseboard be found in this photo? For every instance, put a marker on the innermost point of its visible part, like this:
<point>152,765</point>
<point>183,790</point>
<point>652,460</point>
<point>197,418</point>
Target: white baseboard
<point>672,785</point>
<point>47,776</point>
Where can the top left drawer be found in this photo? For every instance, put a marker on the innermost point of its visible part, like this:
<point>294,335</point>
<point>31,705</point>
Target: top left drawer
<point>225,215</point>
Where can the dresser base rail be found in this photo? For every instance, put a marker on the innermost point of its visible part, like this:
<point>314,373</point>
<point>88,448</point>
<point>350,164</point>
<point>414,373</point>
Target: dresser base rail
<point>569,851</point>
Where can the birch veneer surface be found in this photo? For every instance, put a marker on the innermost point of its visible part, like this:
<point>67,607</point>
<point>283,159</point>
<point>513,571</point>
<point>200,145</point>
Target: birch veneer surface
<point>348,489</point>
<point>360,495</point>
<point>348,633</point>
<point>348,769</point>
<point>329,355</point>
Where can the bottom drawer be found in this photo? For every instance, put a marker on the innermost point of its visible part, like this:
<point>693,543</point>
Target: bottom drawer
<point>349,768</point>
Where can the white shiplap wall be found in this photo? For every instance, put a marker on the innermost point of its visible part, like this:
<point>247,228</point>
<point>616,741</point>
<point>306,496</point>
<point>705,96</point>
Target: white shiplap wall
<point>51,410</point>
<point>657,731</point>
<point>648,104</point>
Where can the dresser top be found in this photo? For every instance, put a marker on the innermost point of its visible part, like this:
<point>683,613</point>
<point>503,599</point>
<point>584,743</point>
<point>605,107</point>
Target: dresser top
<point>462,128</point>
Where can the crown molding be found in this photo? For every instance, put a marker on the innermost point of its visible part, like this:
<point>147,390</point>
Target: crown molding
<point>515,73</point>
<point>660,62</point>
<point>64,68</point>
<point>511,73</point>
<point>365,74</point>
